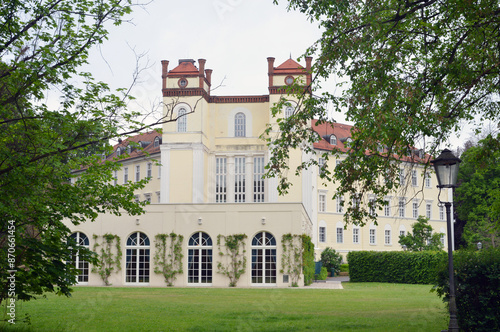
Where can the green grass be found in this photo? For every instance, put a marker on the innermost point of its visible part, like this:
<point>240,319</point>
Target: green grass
<point>358,307</point>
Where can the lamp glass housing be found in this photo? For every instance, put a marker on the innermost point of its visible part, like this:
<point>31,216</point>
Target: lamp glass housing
<point>446,167</point>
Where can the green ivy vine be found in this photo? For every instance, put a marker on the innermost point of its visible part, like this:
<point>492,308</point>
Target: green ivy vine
<point>168,256</point>
<point>234,246</point>
<point>107,260</point>
<point>291,259</point>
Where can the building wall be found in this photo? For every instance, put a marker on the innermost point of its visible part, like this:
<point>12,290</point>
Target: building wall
<point>187,219</point>
<point>192,151</point>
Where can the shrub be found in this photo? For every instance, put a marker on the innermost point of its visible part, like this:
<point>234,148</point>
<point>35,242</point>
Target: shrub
<point>394,266</point>
<point>477,281</point>
<point>322,275</point>
<point>344,267</point>
<point>308,259</point>
<point>331,260</point>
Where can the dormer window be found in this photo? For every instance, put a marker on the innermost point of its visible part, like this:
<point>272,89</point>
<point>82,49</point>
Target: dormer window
<point>129,149</point>
<point>380,148</point>
<point>157,141</point>
<point>333,140</point>
<point>118,152</point>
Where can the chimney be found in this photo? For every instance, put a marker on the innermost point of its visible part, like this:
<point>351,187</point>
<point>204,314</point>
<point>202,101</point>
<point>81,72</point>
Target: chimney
<point>208,74</point>
<point>308,71</point>
<point>164,72</point>
<point>201,62</point>
<point>270,70</point>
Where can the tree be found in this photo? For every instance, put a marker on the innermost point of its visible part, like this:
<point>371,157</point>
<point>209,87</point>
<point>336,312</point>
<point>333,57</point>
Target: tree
<point>42,46</point>
<point>478,195</point>
<point>331,260</point>
<point>412,72</point>
<point>422,237</point>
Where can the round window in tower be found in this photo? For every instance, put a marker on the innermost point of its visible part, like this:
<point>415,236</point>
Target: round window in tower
<point>289,80</point>
<point>182,82</point>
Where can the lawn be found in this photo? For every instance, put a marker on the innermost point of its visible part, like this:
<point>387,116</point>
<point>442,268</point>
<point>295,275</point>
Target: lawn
<point>358,307</point>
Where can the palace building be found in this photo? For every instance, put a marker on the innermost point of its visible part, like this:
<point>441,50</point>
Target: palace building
<point>206,180</point>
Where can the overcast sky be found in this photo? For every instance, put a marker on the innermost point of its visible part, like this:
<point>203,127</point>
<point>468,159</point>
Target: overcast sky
<point>234,36</point>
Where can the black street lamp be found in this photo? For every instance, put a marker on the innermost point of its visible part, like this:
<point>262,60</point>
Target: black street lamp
<point>446,167</point>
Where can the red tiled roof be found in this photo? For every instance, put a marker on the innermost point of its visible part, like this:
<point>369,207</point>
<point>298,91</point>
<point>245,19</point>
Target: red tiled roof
<point>290,66</point>
<point>147,138</point>
<point>341,131</point>
<point>185,68</point>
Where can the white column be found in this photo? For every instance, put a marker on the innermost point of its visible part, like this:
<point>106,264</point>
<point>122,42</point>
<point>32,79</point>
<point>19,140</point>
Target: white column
<point>165,174</point>
<point>198,169</point>
<point>249,179</point>
<point>271,186</point>
<point>230,179</point>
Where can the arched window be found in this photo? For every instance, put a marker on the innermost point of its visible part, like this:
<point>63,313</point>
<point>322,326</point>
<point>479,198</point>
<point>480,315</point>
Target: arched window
<point>288,111</point>
<point>387,235</point>
<point>118,152</point>
<point>239,125</point>
<point>82,266</point>
<point>157,141</point>
<point>137,266</point>
<point>181,120</point>
<point>264,259</point>
<point>200,259</point>
<point>333,140</point>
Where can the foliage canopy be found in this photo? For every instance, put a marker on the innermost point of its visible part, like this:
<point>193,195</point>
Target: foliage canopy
<point>412,73</point>
<point>42,46</point>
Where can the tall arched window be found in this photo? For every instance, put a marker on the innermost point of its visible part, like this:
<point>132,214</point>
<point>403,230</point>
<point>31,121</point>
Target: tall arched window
<point>240,125</point>
<point>82,266</point>
<point>288,111</point>
<point>264,259</point>
<point>137,267</point>
<point>200,259</point>
<point>181,120</point>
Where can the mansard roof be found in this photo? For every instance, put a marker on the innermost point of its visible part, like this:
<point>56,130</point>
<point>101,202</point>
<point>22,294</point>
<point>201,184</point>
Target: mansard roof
<point>343,133</point>
<point>146,141</point>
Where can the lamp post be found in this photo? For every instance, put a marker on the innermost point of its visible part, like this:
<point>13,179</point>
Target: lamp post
<point>446,167</point>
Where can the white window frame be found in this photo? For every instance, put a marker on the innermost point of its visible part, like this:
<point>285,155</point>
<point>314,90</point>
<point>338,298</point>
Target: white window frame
<point>340,234</point>
<point>182,119</point>
<point>339,207</point>
<point>355,235</point>
<point>414,178</point>
<point>428,210</point>
<point>149,170</point>
<point>333,140</point>
<point>373,235</point>
<point>240,124</point>
<point>387,235</point>
<point>415,209</point>
<point>401,207</point>
<point>142,243</point>
<point>427,179</point>
<point>258,184</point>
<point>441,212</point>
<point>137,173</point>
<point>125,175</point>
<point>322,234</point>
<point>322,202</point>
<point>220,180</point>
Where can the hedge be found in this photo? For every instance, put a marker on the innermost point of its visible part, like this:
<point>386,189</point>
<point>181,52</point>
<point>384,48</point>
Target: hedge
<point>477,283</point>
<point>395,266</point>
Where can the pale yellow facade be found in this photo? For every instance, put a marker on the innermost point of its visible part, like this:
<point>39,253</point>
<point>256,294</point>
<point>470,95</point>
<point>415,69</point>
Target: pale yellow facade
<point>206,176</point>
